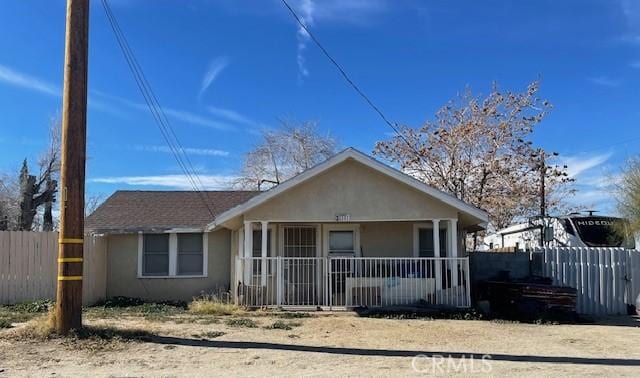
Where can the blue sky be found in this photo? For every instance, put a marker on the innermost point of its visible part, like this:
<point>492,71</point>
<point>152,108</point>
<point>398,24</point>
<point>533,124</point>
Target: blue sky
<point>225,69</point>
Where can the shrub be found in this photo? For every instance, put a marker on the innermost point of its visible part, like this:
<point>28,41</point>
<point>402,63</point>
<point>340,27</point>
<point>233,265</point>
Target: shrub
<point>279,324</point>
<point>5,324</point>
<point>212,305</point>
<point>241,322</point>
<point>39,306</point>
<point>209,335</point>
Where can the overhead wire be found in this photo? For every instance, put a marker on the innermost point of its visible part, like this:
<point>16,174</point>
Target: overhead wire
<point>156,109</point>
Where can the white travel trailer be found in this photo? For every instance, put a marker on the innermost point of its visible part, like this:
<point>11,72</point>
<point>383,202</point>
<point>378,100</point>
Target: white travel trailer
<point>573,230</point>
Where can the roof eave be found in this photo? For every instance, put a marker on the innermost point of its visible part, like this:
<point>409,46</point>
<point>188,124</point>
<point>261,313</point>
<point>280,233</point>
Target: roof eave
<point>349,153</point>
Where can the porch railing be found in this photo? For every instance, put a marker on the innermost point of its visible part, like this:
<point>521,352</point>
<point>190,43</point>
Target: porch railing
<point>345,282</point>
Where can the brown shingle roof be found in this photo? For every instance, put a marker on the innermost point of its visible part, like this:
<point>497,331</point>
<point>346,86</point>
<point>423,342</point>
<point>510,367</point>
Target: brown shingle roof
<point>161,210</point>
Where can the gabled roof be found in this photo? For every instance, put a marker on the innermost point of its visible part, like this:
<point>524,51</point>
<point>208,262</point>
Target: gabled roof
<point>131,211</point>
<point>350,153</point>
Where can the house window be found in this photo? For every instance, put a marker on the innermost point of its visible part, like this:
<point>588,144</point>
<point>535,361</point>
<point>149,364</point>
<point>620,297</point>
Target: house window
<point>155,258</point>
<point>257,243</point>
<point>299,241</point>
<point>190,251</point>
<point>172,255</point>
<point>425,242</point>
<point>257,251</point>
<point>341,242</point>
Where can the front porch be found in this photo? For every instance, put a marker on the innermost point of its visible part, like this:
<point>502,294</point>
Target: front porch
<point>347,264</point>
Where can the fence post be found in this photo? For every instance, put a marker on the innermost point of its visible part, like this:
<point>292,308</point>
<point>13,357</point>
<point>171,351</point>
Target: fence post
<point>279,280</point>
<point>468,283</point>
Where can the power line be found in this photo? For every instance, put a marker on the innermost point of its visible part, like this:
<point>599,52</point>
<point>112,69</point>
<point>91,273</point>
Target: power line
<point>348,79</point>
<point>156,110</point>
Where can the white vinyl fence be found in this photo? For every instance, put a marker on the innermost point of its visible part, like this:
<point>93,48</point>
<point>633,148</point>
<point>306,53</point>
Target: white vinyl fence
<point>606,279</point>
<point>346,282</point>
<point>29,268</point>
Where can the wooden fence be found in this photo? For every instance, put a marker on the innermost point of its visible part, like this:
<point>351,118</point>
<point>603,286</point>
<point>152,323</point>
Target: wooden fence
<point>607,279</point>
<point>29,268</point>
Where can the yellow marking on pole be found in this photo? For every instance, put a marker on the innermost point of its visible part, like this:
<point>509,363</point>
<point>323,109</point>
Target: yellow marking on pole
<point>69,278</point>
<point>70,241</point>
<point>70,259</point>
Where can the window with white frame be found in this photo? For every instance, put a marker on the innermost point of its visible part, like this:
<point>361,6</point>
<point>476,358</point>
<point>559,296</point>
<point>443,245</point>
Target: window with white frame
<point>341,242</point>
<point>190,251</point>
<point>172,255</point>
<point>155,255</point>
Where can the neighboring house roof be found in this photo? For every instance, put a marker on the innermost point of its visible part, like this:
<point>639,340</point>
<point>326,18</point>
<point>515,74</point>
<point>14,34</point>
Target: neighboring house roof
<point>130,211</point>
<point>350,153</point>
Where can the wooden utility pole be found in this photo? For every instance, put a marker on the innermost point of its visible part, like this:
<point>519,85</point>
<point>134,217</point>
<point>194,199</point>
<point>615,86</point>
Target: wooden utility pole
<point>543,194</point>
<point>72,170</point>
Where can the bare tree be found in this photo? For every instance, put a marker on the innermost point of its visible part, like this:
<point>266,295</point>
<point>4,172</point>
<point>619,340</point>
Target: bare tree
<point>37,191</point>
<point>477,149</point>
<point>283,153</point>
<point>9,203</point>
<point>627,190</point>
<point>92,202</point>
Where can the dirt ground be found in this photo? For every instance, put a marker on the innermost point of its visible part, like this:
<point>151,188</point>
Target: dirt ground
<point>333,345</point>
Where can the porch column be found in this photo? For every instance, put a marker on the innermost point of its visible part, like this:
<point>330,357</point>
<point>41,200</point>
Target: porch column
<point>248,253</point>
<point>453,242</point>
<point>265,239</point>
<point>436,254</point>
<point>454,238</point>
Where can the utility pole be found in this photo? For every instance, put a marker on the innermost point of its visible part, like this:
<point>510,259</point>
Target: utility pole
<point>543,174</point>
<point>72,170</point>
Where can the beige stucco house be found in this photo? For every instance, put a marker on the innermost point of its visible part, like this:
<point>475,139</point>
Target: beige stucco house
<point>350,231</point>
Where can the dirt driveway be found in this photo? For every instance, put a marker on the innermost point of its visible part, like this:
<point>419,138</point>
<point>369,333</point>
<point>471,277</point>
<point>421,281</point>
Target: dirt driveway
<point>335,345</point>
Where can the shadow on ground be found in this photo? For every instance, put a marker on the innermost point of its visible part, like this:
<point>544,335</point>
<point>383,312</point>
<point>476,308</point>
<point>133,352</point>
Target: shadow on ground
<point>166,340</point>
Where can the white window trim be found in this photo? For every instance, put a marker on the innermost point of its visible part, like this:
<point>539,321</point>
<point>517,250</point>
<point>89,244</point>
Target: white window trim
<point>341,227</point>
<point>173,256</point>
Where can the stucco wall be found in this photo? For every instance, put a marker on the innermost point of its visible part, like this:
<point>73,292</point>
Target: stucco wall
<point>386,239</point>
<point>355,189</point>
<point>122,265</point>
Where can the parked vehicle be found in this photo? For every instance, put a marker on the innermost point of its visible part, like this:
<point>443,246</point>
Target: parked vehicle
<point>573,230</point>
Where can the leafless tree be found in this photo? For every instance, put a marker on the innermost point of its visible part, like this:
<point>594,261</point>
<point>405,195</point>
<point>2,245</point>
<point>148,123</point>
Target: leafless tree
<point>283,153</point>
<point>477,149</point>
<point>627,190</point>
<point>92,202</point>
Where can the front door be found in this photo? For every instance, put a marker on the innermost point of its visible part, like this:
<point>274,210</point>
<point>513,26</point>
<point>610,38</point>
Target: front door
<point>301,265</point>
<point>342,244</point>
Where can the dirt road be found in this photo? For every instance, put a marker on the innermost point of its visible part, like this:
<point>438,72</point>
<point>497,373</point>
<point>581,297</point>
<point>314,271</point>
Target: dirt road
<point>335,345</point>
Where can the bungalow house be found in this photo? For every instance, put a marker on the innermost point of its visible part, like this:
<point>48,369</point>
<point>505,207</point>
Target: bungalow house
<point>348,232</point>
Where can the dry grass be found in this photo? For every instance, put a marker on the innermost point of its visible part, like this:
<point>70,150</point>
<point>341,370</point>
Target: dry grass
<point>212,306</point>
<point>39,328</point>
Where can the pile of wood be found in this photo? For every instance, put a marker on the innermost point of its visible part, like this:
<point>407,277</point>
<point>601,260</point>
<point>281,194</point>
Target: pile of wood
<point>531,301</point>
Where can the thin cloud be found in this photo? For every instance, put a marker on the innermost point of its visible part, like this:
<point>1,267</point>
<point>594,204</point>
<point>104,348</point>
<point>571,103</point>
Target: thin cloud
<point>233,116</point>
<point>215,67</point>
<point>186,150</point>
<point>18,79</point>
<point>345,11</point>
<point>306,10</point>
<point>605,81</point>
<point>21,80</point>
<point>177,114</point>
<point>635,64</point>
<point>209,182</point>
<point>578,165</point>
